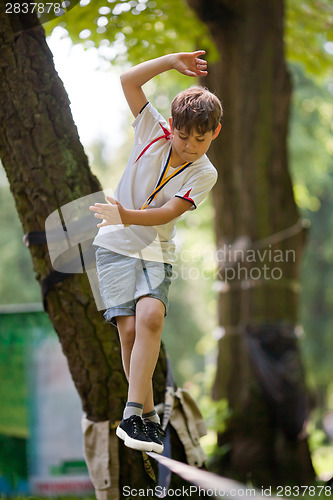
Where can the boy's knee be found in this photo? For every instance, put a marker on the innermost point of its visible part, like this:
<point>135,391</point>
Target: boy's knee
<point>152,318</point>
<point>153,321</point>
<point>127,333</point>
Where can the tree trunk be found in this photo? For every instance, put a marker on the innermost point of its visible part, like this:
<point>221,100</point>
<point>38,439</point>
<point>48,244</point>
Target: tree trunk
<point>254,200</point>
<point>47,168</point>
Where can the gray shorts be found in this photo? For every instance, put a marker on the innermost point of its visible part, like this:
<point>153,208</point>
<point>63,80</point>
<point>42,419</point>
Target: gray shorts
<point>123,280</point>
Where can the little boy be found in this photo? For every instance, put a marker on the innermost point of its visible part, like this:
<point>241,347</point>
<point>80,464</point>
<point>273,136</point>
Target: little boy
<point>167,174</point>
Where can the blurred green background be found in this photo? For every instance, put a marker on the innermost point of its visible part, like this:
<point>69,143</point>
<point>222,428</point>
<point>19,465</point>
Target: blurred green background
<point>192,293</point>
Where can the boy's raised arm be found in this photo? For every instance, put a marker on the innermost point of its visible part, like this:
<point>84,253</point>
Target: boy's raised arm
<point>187,63</point>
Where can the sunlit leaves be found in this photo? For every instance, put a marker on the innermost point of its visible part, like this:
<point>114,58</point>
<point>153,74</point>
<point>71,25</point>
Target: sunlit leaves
<point>141,29</point>
<point>308,33</point>
<point>135,30</point>
<point>310,140</point>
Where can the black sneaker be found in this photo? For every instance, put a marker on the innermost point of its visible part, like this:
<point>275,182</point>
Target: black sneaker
<point>154,431</point>
<point>133,432</point>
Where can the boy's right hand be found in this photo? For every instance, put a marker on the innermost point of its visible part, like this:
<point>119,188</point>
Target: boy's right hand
<point>111,213</point>
<point>189,63</point>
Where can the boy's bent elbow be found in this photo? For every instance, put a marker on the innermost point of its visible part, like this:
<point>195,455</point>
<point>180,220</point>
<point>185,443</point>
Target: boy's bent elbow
<point>126,78</point>
<point>123,78</point>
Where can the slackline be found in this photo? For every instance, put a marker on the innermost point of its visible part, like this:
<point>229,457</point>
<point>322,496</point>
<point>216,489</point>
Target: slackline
<point>221,487</point>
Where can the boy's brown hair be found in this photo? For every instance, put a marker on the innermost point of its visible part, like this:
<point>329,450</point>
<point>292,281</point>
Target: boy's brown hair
<point>196,108</point>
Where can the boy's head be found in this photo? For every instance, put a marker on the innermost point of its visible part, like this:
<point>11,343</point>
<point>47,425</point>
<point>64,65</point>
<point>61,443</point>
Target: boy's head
<point>195,122</point>
<point>196,109</point>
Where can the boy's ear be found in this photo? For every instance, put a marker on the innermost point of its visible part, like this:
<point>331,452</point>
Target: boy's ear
<point>170,123</point>
<point>217,131</point>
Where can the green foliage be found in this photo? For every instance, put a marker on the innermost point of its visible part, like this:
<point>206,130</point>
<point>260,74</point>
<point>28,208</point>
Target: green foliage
<point>310,139</point>
<point>322,458</point>
<point>311,147</point>
<point>135,30</point>
<point>308,27</point>
<point>13,409</point>
<point>17,282</point>
<point>16,332</point>
<point>13,459</point>
<point>141,29</point>
<point>317,298</point>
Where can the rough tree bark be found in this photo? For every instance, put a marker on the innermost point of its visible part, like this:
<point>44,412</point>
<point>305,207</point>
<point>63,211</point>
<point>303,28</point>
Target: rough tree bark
<point>254,199</point>
<point>47,168</point>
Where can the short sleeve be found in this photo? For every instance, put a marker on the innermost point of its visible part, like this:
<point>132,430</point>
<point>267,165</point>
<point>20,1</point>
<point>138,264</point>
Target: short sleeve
<point>197,187</point>
<point>148,125</point>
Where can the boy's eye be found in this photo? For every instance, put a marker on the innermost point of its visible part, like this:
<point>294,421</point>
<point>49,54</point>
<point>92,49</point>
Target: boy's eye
<point>185,137</point>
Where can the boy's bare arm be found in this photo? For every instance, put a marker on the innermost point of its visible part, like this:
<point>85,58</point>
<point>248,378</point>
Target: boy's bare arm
<point>115,213</point>
<point>187,63</point>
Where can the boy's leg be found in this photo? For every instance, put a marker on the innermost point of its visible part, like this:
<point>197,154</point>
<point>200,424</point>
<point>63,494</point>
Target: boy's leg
<point>148,329</point>
<point>149,324</point>
<point>132,430</point>
<point>126,329</point>
<point>139,364</point>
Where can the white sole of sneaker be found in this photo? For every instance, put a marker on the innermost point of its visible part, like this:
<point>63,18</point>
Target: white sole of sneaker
<point>133,443</point>
<point>157,448</point>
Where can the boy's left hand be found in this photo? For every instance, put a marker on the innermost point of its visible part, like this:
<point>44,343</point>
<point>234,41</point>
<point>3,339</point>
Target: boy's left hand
<point>190,64</point>
<point>111,212</point>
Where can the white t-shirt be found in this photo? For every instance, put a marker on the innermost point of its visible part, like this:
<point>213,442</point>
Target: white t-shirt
<point>139,181</point>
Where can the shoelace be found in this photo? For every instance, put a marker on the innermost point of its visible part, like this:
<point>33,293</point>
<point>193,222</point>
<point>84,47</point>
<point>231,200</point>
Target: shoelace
<point>153,428</point>
<point>138,425</point>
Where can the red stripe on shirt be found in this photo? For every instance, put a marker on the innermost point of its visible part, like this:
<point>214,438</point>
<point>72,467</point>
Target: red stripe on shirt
<point>187,196</point>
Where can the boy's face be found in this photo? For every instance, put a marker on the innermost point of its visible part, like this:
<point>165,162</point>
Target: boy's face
<point>190,147</point>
